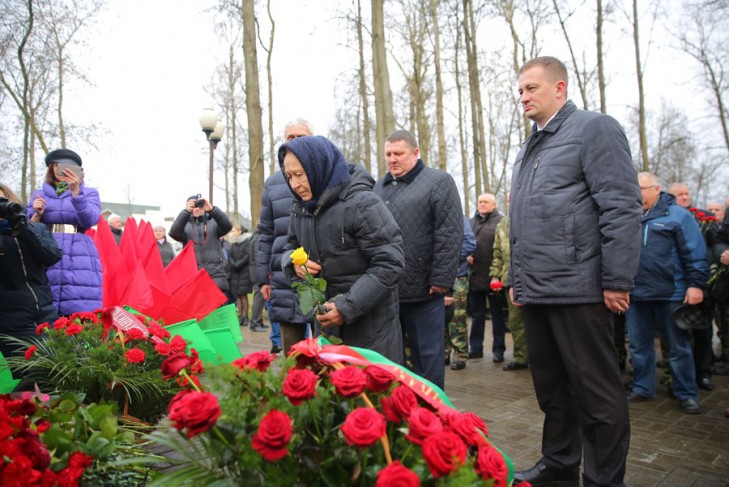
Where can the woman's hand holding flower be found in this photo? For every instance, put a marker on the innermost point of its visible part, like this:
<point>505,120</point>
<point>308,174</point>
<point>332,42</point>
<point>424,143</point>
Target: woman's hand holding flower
<point>309,265</point>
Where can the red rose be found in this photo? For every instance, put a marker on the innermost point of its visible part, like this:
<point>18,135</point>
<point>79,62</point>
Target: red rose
<point>41,327</point>
<point>173,364</point>
<point>256,360</point>
<point>273,436</point>
<point>80,460</point>
<point>422,423</point>
<point>363,427</point>
<point>299,385</point>
<point>490,464</point>
<point>163,349</point>
<point>73,329</point>
<point>196,411</point>
<point>496,286</point>
<point>178,344</point>
<point>19,472</point>
<point>466,425</point>
<point>349,381</point>
<point>30,352</point>
<point>444,452</point>
<point>397,475</point>
<point>402,400</point>
<point>378,379</point>
<point>135,356</point>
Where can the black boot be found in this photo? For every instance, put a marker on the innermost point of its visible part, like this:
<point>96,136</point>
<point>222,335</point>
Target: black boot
<point>541,475</point>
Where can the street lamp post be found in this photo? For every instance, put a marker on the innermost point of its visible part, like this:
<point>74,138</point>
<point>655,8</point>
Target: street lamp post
<point>213,129</point>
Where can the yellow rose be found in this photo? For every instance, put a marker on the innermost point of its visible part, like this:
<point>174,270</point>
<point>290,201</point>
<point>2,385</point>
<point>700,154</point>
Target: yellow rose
<point>299,256</point>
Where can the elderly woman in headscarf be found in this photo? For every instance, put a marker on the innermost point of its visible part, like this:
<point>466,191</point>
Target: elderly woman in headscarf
<point>352,240</point>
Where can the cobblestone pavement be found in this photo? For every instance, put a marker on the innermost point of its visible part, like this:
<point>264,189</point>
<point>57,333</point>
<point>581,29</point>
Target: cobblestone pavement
<point>668,448</point>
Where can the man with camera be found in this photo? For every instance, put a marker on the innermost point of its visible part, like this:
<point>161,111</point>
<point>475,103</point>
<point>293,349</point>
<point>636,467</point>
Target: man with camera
<point>204,224</point>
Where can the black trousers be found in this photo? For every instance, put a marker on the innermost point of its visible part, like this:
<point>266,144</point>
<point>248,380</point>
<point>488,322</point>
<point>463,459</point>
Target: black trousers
<point>574,367</point>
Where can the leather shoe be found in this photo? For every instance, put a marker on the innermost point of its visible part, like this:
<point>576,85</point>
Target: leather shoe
<point>689,406</point>
<point>275,349</point>
<point>458,365</point>
<point>498,358</point>
<point>261,329</point>
<point>706,384</point>
<point>541,475</point>
<point>513,365</point>
<point>633,396</point>
<point>475,354</point>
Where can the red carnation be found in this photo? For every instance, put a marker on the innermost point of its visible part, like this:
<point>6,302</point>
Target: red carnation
<point>156,330</point>
<point>422,423</point>
<point>80,460</point>
<point>256,360</point>
<point>402,400</point>
<point>349,381</point>
<point>299,385</point>
<point>444,452</point>
<point>271,440</point>
<point>397,475</point>
<point>135,356</point>
<point>163,349</point>
<point>496,286</point>
<point>490,464</point>
<point>135,334</point>
<point>363,427</point>
<point>42,425</point>
<point>30,352</point>
<point>378,379</point>
<point>195,411</point>
<point>73,329</point>
<point>173,364</point>
<point>178,344</point>
<point>61,323</point>
<point>41,327</point>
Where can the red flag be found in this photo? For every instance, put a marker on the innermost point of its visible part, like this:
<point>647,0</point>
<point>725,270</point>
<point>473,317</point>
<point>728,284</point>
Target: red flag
<point>196,297</point>
<point>128,245</point>
<point>114,276</point>
<point>181,268</point>
<point>150,257</point>
<point>138,293</point>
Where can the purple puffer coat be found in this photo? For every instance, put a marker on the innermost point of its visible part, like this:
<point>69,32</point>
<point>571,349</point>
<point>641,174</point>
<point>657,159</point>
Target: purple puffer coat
<point>76,279</point>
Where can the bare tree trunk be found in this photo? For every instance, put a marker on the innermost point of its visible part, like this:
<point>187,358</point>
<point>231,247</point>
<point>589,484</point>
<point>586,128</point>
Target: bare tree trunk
<point>385,118</point>
<point>269,52</point>
<point>366,129</point>
<point>600,59</point>
<point>581,82</point>
<point>439,115</point>
<point>641,96</point>
<point>462,119</point>
<point>253,108</point>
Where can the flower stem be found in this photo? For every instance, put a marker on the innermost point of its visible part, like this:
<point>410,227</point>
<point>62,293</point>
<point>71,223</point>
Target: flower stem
<point>189,380</point>
<point>316,421</point>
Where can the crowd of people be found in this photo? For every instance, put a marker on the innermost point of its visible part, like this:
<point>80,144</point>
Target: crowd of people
<point>584,244</point>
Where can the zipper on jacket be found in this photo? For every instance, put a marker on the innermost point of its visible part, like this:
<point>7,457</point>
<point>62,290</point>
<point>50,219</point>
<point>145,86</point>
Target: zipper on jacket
<point>645,236</point>
<point>534,172</point>
<point>25,274</point>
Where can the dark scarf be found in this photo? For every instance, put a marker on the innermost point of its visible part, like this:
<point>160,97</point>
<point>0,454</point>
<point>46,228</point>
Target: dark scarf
<point>323,163</point>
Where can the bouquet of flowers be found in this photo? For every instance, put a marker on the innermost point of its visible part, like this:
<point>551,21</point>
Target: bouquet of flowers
<point>57,442</point>
<point>329,415</point>
<point>108,356</point>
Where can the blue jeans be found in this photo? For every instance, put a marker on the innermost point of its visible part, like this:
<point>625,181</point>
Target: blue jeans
<point>424,325</point>
<point>477,305</point>
<point>275,335</point>
<point>642,318</point>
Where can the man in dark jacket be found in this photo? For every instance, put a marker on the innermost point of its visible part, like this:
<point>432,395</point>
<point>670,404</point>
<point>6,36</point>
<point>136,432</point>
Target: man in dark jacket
<point>673,270</point>
<point>575,245</point>
<point>287,323</point>
<point>721,259</point>
<point>427,207</point>
<point>204,224</point>
<point>484,224</point>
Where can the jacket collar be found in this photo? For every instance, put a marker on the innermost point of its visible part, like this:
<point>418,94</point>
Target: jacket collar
<point>409,177</point>
<point>554,124</point>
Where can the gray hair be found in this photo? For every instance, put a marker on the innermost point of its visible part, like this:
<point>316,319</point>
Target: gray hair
<point>299,121</point>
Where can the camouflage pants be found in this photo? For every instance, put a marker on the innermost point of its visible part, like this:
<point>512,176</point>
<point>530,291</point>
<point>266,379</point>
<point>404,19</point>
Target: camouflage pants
<point>518,335</point>
<point>456,330</point>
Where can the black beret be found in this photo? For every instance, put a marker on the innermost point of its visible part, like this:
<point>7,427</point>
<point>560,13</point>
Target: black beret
<point>63,155</point>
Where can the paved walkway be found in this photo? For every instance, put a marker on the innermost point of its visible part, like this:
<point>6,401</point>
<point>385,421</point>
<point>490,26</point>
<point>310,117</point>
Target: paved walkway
<point>668,448</point>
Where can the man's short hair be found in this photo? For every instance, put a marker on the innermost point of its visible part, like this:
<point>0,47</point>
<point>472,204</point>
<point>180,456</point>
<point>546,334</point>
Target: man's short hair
<point>113,217</point>
<point>652,178</point>
<point>551,65</point>
<point>299,121</point>
<point>404,135</point>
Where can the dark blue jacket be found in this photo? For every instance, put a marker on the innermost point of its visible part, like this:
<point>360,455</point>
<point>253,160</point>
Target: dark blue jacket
<point>274,228</point>
<point>673,253</point>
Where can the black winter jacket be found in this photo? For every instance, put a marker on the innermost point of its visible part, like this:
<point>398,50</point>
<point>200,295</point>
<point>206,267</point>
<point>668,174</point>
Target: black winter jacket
<point>484,228</point>
<point>205,233</point>
<point>239,274</point>
<point>575,211</point>
<point>25,295</point>
<point>359,246</point>
<point>274,228</point>
<point>427,207</point>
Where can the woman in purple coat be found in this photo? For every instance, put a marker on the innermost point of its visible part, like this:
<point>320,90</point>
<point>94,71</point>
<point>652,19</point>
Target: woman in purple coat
<point>69,208</point>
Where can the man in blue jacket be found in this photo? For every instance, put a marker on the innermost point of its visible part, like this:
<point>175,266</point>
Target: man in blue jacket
<point>575,246</point>
<point>673,270</point>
